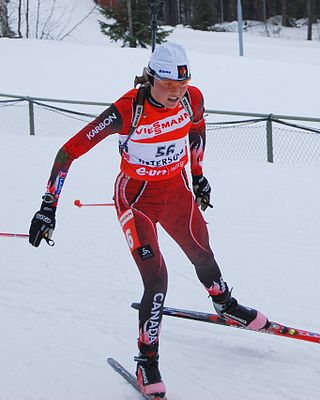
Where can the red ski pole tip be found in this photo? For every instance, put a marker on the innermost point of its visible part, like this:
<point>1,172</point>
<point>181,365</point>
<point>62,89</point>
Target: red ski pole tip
<point>77,203</point>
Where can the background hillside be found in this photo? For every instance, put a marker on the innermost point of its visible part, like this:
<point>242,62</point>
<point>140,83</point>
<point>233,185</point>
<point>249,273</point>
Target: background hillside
<point>64,310</point>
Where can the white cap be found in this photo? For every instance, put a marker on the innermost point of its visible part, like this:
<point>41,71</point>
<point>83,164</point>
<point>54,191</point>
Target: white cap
<point>169,61</point>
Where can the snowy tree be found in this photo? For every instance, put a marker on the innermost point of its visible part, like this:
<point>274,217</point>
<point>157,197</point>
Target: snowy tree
<point>45,19</point>
<point>130,23</point>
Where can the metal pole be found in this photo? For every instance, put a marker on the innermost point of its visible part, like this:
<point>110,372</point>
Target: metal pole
<point>31,116</point>
<point>269,139</point>
<point>240,27</point>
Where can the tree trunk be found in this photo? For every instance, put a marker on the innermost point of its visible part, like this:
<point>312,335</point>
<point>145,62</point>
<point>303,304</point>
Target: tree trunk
<point>5,30</point>
<point>285,18</point>
<point>38,18</point>
<point>221,11</point>
<point>186,8</point>
<point>172,11</point>
<point>231,11</point>
<point>27,19</point>
<point>132,42</point>
<point>19,19</point>
<point>264,16</point>
<point>310,18</point>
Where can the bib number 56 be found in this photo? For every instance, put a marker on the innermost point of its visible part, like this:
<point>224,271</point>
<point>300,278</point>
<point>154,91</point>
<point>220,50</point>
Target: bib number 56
<point>165,150</point>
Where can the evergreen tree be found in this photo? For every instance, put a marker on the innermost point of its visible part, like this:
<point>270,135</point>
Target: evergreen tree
<point>129,22</point>
<point>205,14</point>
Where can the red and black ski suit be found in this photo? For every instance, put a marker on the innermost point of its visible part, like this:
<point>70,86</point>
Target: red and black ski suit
<point>152,188</point>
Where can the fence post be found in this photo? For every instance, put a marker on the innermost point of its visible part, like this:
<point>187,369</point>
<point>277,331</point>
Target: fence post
<point>31,116</point>
<point>269,139</point>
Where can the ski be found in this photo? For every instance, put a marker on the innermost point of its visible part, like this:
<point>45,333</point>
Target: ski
<point>274,328</point>
<point>131,379</point>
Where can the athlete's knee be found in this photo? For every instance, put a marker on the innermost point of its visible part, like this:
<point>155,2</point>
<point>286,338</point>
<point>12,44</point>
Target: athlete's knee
<point>153,271</point>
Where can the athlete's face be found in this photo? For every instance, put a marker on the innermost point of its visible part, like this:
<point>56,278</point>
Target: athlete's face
<point>169,92</point>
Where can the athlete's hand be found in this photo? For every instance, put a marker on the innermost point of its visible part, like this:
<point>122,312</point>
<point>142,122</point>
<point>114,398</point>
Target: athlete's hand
<point>43,224</point>
<point>201,190</point>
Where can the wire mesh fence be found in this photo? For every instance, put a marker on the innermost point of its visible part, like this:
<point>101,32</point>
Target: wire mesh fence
<point>30,117</point>
<point>237,142</point>
<point>293,145</point>
<point>264,138</point>
<point>55,121</point>
<point>13,118</point>
<point>250,141</point>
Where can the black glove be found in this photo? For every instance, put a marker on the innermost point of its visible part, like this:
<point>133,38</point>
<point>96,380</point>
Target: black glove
<point>201,190</point>
<point>43,222</point>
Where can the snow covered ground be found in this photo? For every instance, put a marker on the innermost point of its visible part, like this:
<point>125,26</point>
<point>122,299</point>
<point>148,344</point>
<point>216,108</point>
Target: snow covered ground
<point>65,309</point>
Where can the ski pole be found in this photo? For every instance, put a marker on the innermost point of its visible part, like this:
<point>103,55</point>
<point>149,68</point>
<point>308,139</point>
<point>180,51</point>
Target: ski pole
<point>156,9</point>
<point>78,203</point>
<point>14,235</point>
<point>50,242</point>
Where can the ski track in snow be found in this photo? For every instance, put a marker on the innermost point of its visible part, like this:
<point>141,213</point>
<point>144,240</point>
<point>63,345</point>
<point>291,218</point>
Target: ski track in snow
<point>67,308</point>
